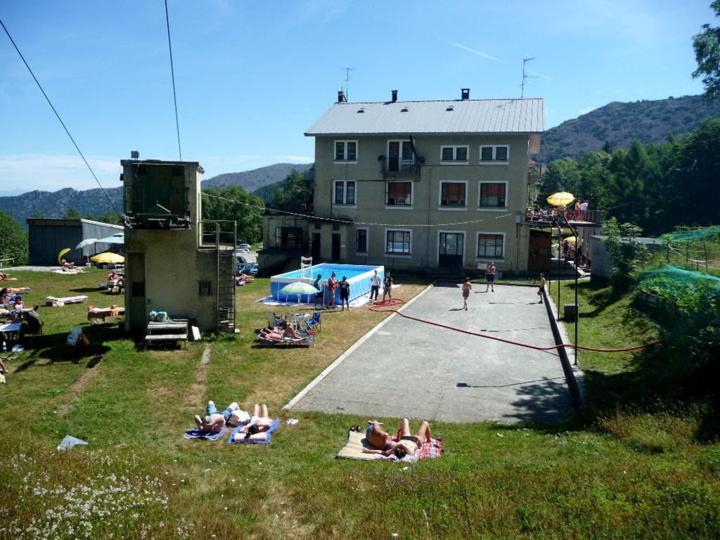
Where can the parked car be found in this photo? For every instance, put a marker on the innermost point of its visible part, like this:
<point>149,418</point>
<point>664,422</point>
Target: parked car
<point>243,248</point>
<point>246,268</point>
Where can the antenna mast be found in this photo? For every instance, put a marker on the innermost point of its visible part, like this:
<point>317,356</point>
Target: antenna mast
<point>525,76</point>
<point>347,80</point>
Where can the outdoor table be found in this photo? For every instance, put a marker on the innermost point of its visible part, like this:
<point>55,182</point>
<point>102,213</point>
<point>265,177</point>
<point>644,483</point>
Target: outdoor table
<point>10,332</point>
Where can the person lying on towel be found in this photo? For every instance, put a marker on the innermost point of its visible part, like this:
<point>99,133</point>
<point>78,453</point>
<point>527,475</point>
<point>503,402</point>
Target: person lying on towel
<point>214,421</point>
<point>383,443</point>
<point>255,430</point>
<point>279,333</point>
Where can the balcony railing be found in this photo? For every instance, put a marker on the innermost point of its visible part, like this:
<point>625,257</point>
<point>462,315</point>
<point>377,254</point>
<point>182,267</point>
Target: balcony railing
<point>217,233</point>
<point>396,168</point>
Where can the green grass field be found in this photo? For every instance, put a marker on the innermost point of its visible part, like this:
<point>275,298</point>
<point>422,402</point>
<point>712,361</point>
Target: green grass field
<point>632,466</point>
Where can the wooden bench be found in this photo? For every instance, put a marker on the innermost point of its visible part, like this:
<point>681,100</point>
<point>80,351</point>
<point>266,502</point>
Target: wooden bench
<point>166,332</point>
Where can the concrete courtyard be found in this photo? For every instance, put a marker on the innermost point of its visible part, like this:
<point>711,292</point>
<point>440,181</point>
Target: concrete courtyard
<point>408,368</point>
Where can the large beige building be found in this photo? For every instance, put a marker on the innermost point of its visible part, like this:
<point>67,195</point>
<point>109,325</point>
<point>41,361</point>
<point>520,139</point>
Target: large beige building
<point>419,185</point>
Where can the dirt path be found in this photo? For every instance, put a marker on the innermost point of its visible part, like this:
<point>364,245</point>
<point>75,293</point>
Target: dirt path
<point>197,388</point>
<point>80,385</point>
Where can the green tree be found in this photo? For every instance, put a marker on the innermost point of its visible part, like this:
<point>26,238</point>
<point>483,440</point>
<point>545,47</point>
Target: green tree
<point>73,213</point>
<point>295,194</point>
<point>235,204</point>
<point>707,55</point>
<point>625,252</point>
<point>561,175</point>
<point>13,241</point>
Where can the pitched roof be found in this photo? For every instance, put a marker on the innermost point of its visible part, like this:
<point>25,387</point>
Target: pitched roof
<point>432,117</point>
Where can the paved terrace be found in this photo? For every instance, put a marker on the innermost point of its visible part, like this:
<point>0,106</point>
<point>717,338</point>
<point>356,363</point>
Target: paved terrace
<point>407,368</point>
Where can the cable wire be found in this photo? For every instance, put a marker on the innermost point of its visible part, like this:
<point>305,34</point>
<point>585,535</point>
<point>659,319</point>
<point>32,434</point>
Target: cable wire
<point>72,139</point>
<point>350,222</point>
<point>172,73</point>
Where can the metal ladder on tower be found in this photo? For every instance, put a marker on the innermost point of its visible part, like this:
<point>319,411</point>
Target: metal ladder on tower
<point>225,289</point>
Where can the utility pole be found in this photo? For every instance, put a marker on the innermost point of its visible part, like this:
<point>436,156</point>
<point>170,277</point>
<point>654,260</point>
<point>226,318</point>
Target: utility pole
<point>525,76</point>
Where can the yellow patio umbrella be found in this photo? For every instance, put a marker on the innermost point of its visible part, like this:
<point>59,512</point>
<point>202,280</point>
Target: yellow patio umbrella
<point>62,253</point>
<point>108,258</point>
<point>561,198</point>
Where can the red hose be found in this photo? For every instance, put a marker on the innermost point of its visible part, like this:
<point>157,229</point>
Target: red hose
<point>395,302</point>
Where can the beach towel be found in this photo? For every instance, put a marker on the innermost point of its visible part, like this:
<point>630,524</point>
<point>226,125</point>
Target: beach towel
<point>195,433</point>
<point>268,440</point>
<point>356,442</point>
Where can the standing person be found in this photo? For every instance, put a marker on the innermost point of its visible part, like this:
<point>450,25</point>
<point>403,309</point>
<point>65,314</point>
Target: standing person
<point>466,288</point>
<point>583,210</point>
<point>387,287</point>
<point>332,284</point>
<point>490,271</point>
<point>344,293</point>
<point>375,286</point>
<point>541,288</point>
<point>319,287</point>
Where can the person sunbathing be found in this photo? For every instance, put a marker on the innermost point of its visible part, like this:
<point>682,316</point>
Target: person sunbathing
<point>279,334</point>
<point>404,443</point>
<point>256,429</point>
<point>214,421</point>
<point>67,265</point>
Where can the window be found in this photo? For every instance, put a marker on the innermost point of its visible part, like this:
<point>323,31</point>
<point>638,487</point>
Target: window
<point>452,194</point>
<point>204,288</point>
<point>490,246</point>
<point>344,193</point>
<point>400,155</point>
<point>346,151</point>
<point>362,241</point>
<point>397,242</point>
<point>398,194</point>
<point>454,153</point>
<point>492,194</point>
<point>494,153</point>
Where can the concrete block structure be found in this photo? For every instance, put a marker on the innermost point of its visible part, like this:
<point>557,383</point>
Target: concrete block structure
<point>175,262</point>
<point>421,185</point>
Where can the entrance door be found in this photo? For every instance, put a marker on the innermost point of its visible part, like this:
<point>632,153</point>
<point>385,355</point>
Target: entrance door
<point>316,248</point>
<point>450,250</point>
<point>135,292</point>
<point>335,255</point>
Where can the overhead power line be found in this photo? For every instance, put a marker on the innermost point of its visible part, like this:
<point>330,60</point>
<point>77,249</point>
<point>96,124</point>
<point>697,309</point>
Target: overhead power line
<point>172,74</point>
<point>350,222</point>
<point>72,139</point>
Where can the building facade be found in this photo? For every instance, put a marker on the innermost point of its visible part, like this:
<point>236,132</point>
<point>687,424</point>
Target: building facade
<point>48,236</point>
<point>425,184</point>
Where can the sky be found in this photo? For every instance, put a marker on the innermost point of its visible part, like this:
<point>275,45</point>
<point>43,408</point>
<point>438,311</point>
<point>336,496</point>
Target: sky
<point>252,77</point>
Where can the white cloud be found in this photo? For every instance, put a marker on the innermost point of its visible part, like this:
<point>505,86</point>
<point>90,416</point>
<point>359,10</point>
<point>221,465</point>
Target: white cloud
<point>538,74</point>
<point>296,159</point>
<point>472,51</point>
<point>52,172</point>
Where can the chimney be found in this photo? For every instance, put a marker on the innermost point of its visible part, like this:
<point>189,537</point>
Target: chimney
<point>394,96</point>
<point>465,94</point>
<point>341,97</point>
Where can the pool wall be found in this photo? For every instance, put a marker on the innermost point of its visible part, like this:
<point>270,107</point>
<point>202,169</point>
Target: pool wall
<point>359,277</point>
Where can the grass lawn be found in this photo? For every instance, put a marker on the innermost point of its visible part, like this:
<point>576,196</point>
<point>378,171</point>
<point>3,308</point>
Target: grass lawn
<point>621,471</point>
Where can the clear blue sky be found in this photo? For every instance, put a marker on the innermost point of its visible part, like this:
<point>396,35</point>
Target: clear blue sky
<point>253,76</point>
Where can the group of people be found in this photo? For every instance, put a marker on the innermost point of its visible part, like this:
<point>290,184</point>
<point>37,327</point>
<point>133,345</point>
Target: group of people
<point>404,443</point>
<point>254,426</point>
<point>386,283</point>
<point>343,286</point>
<point>490,273</point>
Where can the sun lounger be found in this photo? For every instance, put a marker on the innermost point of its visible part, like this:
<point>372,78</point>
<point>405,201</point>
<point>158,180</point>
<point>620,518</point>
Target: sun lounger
<point>357,442</point>
<point>97,315</point>
<point>275,424</point>
<point>58,302</point>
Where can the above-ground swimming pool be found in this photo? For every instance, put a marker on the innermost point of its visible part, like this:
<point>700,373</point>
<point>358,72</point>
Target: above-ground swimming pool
<point>359,277</point>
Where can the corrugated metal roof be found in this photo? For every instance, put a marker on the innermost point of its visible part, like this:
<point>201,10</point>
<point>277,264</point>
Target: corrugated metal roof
<point>465,116</point>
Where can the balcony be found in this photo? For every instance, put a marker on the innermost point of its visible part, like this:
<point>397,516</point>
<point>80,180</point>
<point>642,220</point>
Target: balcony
<point>393,168</point>
<point>220,234</point>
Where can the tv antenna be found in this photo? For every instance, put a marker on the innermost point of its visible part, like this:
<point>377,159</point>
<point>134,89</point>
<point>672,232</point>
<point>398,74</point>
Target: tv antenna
<point>347,80</point>
<point>525,76</point>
